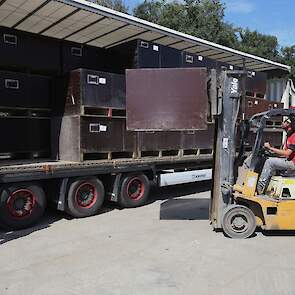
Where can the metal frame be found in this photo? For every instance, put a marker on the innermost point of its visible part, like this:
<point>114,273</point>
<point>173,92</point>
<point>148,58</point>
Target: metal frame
<point>129,22</point>
<point>57,170</point>
<point>265,116</point>
<point>225,146</point>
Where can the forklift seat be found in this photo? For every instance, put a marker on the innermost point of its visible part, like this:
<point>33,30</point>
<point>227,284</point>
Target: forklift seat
<point>286,173</point>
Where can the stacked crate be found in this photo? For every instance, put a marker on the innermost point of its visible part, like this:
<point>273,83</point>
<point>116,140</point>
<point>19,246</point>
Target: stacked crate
<point>93,124</point>
<point>76,56</point>
<point>142,54</point>
<point>27,66</point>
<point>77,91</point>
<point>257,102</point>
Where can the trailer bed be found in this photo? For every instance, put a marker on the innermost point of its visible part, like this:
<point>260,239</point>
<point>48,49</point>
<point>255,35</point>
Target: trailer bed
<point>21,171</point>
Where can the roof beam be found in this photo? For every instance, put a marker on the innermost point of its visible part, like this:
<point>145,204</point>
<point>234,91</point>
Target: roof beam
<point>264,69</point>
<point>2,2</point>
<point>189,47</point>
<point>174,43</point>
<point>250,62</point>
<point>125,39</point>
<point>216,55</point>
<point>107,33</point>
<point>98,9</point>
<point>31,13</point>
<point>202,51</point>
<point>261,66</point>
<point>230,59</point>
<point>158,38</point>
<point>60,20</point>
<point>85,27</point>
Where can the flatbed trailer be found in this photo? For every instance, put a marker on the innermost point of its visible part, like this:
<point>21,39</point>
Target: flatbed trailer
<point>124,181</point>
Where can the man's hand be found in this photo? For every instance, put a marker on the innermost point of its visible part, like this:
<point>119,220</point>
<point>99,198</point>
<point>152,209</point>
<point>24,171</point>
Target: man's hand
<point>267,145</point>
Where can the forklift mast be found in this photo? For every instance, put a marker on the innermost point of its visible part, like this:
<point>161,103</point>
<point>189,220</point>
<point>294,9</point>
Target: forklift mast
<point>229,99</point>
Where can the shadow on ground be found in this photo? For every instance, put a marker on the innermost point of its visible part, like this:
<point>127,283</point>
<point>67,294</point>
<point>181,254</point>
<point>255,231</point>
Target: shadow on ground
<point>175,191</point>
<point>184,208</point>
<point>50,217</point>
<point>279,233</point>
<point>170,209</point>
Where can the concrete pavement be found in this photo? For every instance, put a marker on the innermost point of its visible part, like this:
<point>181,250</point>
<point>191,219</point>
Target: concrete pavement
<point>165,247</point>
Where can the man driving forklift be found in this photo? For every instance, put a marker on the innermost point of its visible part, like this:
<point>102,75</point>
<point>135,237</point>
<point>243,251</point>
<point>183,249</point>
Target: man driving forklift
<point>285,160</point>
<point>274,209</point>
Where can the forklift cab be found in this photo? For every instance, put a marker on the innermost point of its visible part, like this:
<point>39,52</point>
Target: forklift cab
<point>275,209</point>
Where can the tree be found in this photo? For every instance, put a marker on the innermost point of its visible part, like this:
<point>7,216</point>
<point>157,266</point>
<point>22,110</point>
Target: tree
<point>288,57</point>
<point>200,18</point>
<point>259,44</point>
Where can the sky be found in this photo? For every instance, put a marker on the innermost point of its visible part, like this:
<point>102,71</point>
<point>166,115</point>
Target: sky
<point>274,17</point>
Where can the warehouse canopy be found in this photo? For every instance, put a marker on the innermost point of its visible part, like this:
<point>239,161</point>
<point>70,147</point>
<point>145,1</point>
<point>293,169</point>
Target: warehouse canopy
<point>88,23</point>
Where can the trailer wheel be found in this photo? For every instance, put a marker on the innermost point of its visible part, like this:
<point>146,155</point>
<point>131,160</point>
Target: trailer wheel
<point>85,197</point>
<point>134,190</point>
<point>21,205</point>
<point>238,222</point>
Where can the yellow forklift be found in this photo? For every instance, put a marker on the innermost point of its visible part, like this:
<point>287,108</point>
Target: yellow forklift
<point>236,207</point>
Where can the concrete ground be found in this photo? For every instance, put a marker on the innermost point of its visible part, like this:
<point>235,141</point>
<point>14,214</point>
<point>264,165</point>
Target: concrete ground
<point>165,247</point>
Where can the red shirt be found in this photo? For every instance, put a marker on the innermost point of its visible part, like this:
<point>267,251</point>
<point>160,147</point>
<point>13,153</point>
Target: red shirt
<point>290,144</point>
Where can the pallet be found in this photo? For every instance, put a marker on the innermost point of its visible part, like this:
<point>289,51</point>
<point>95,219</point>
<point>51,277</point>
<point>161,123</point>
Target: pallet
<point>175,153</point>
<point>107,156</point>
<point>145,154</point>
<point>103,112</point>
<point>24,155</point>
<point>255,94</point>
<point>24,112</point>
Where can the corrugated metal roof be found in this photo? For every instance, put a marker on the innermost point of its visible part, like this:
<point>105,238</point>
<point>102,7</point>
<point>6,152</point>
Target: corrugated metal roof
<point>88,23</point>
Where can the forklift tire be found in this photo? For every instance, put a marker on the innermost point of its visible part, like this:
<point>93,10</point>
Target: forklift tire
<point>21,205</point>
<point>134,190</point>
<point>85,197</point>
<point>238,222</point>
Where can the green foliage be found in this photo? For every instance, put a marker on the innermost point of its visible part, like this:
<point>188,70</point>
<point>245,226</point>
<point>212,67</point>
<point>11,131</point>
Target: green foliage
<point>259,44</point>
<point>288,57</point>
<point>205,19</point>
<point>200,18</point>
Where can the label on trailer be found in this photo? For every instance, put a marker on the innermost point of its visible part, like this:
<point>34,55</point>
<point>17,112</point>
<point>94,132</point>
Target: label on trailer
<point>102,128</point>
<point>102,81</point>
<point>185,177</point>
<point>156,47</point>
<point>200,57</point>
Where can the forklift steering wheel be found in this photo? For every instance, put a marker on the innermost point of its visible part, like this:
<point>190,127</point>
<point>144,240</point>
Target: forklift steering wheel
<point>267,152</point>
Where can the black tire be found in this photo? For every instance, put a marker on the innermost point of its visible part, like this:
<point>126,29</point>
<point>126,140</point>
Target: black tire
<point>85,197</point>
<point>238,222</point>
<point>134,190</point>
<point>21,205</point>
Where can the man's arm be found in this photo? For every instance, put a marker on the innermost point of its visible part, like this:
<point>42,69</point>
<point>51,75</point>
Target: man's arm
<point>282,153</point>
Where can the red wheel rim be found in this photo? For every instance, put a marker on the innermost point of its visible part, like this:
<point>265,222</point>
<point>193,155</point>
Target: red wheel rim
<point>21,203</point>
<point>135,188</point>
<point>86,195</point>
